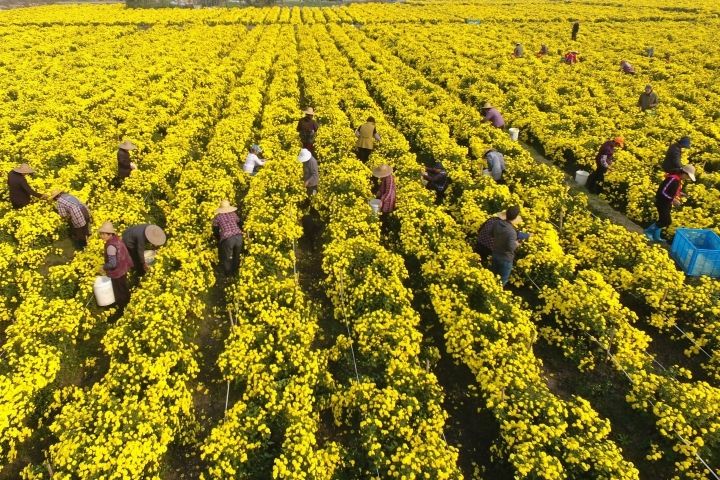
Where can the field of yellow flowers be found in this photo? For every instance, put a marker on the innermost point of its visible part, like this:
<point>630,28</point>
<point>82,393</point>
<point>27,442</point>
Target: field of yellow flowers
<point>344,349</point>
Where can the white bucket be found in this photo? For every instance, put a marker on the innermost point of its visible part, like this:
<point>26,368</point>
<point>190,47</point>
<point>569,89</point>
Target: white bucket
<point>103,291</point>
<point>514,134</point>
<point>487,173</point>
<point>581,177</point>
<point>375,205</point>
<point>149,257</point>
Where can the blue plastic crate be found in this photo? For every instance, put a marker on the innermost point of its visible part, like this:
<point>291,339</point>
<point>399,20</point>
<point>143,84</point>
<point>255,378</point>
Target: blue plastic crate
<point>697,251</point>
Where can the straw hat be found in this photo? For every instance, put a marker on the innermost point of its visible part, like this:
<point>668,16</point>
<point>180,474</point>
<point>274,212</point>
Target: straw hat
<point>225,207</point>
<point>382,171</point>
<point>487,105</point>
<point>127,145</point>
<point>106,227</point>
<point>309,111</point>
<point>54,193</point>
<point>155,235</point>
<point>23,168</point>
<point>304,156</point>
<point>690,170</point>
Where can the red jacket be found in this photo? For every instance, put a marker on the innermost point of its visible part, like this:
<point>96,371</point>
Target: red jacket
<point>124,261</point>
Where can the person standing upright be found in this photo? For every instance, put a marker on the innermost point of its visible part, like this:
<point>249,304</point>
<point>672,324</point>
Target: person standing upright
<point>504,243</point>
<point>575,30</point>
<point>227,230</point>
<point>307,128</point>
<point>18,188</point>
<point>125,166</point>
<point>648,99</point>
<point>366,137</point>
<point>603,160</point>
<point>117,264</point>
<point>311,176</point>
<point>386,192</point>
<point>667,196</point>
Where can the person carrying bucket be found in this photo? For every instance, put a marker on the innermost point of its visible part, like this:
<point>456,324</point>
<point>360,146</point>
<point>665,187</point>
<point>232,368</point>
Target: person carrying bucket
<point>117,264</point>
<point>667,196</point>
<point>386,192</point>
<point>307,128</point>
<point>492,115</point>
<point>76,214</point>
<point>227,230</point>
<point>135,239</point>
<point>603,161</point>
<point>19,189</point>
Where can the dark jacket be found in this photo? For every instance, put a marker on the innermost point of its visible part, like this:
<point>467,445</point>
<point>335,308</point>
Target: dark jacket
<point>673,158</point>
<point>134,240</point>
<point>669,189</point>
<point>307,127</point>
<point>123,158</point>
<point>19,189</point>
<point>505,241</point>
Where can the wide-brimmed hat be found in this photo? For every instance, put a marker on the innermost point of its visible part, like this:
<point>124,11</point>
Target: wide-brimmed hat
<point>309,111</point>
<point>690,170</point>
<point>487,105</point>
<point>304,155</point>
<point>54,193</point>
<point>382,171</point>
<point>155,235</point>
<point>23,168</point>
<point>225,207</point>
<point>106,227</point>
<point>127,145</point>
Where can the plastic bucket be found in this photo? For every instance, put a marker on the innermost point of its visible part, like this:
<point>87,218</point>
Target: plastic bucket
<point>103,291</point>
<point>514,134</point>
<point>149,257</point>
<point>581,177</point>
<point>487,173</point>
<point>375,205</point>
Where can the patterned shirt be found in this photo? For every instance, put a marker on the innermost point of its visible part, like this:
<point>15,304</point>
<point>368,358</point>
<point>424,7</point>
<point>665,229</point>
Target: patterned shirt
<point>485,235</point>
<point>70,208</point>
<point>386,194</point>
<point>228,224</point>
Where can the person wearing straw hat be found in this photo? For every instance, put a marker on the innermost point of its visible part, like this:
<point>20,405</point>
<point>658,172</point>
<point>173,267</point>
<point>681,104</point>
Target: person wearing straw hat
<point>307,128</point>
<point>492,115</point>
<point>673,156</point>
<point>648,99</point>
<point>311,177</point>
<point>667,196</point>
<point>366,135</point>
<point>76,214</point>
<point>496,164</point>
<point>485,237</point>
<point>504,243</point>
<point>19,189</point>
<point>227,230</point>
<point>386,192</point>
<point>135,239</point>
<point>125,166</point>
<point>253,162</point>
<point>603,160</point>
<point>117,264</point>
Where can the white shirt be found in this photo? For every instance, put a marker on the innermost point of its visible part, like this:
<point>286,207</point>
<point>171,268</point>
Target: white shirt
<point>251,162</point>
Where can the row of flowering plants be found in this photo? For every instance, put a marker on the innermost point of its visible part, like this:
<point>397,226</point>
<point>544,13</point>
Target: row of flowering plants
<point>121,426</point>
<point>270,355</point>
<point>543,436</point>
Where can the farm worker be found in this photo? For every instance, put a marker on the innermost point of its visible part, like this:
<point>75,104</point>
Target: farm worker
<point>253,162</point>
<point>366,137</point>
<point>485,240</point>
<point>496,163</point>
<point>575,29</point>
<point>543,51</point>
<point>310,171</point>
<point>117,263</point>
<point>437,180</point>
<point>519,50</point>
<point>18,188</point>
<point>673,156</point>
<point>626,67</point>
<point>135,238</point>
<point>571,57</point>
<point>603,160</point>
<point>307,128</point>
<point>492,115</point>
<point>228,232</point>
<point>76,214</point>
<point>648,99</point>
<point>650,52</point>
<point>386,192</point>
<point>505,242</point>
<point>125,166</point>
<point>668,196</point>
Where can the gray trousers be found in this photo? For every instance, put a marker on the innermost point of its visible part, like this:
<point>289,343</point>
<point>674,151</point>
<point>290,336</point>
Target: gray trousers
<point>229,253</point>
